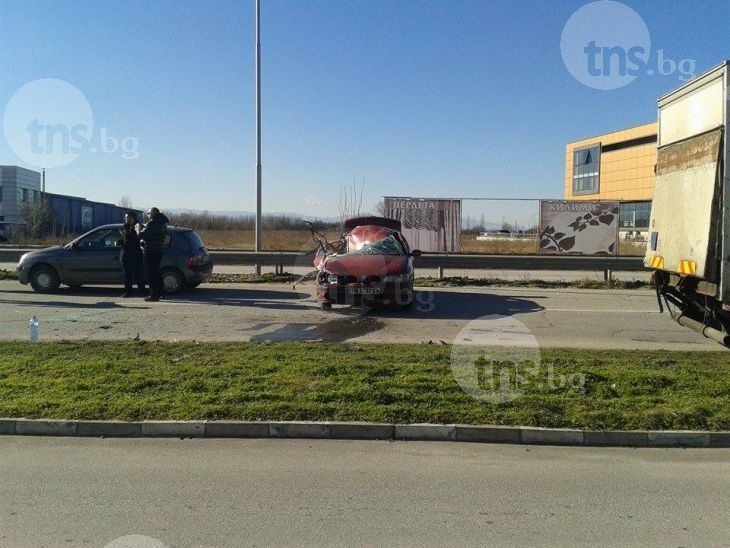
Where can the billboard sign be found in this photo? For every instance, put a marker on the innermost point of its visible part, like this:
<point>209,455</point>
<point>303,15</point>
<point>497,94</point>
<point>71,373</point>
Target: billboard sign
<point>578,228</point>
<point>429,224</point>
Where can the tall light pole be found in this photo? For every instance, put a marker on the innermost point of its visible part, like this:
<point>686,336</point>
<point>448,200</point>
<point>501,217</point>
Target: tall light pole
<point>258,131</point>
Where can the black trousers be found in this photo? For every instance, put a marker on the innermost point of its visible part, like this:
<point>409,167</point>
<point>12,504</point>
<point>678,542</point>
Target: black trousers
<point>152,270</point>
<point>133,272</point>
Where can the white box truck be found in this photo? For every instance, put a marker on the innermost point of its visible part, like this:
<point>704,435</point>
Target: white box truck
<point>689,230</point>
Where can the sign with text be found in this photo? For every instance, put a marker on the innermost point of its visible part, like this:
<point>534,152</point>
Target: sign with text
<point>578,228</point>
<point>428,224</point>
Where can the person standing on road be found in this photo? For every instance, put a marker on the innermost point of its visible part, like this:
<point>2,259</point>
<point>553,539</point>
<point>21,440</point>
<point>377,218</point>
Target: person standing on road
<point>131,255</point>
<point>152,239</point>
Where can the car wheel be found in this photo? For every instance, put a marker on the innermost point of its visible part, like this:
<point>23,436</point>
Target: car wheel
<point>172,281</point>
<point>44,279</point>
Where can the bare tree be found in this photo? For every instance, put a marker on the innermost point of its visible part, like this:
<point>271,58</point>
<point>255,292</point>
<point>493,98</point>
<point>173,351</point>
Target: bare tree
<point>38,219</point>
<point>125,202</point>
<point>351,201</point>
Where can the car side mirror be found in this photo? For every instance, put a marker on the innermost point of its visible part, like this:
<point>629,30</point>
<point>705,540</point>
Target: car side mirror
<point>416,253</point>
<point>74,246</point>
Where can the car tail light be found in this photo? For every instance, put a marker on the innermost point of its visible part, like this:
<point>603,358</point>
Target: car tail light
<point>197,257</point>
<point>193,260</point>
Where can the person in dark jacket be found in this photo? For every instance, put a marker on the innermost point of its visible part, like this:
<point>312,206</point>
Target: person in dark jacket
<point>131,255</point>
<point>152,238</point>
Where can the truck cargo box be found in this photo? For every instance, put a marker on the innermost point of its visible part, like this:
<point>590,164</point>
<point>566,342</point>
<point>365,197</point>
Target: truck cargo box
<point>689,228</point>
<point>686,225</point>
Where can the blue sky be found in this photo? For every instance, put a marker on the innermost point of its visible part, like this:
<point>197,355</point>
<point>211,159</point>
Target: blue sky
<point>423,98</point>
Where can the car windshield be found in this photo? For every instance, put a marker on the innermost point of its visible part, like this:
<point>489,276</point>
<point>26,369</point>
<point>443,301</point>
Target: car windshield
<point>388,246</point>
<point>101,239</point>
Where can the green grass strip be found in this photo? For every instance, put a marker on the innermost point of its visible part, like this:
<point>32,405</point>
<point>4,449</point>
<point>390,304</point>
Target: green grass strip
<point>8,274</point>
<point>348,382</point>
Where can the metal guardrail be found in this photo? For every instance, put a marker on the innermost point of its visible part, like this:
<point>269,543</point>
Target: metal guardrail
<point>448,260</point>
<point>427,260</point>
<point>453,261</point>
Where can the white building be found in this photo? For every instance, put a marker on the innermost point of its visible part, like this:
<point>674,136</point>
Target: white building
<point>18,186</point>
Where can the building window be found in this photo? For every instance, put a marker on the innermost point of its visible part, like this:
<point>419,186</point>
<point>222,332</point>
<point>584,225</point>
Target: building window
<point>586,165</point>
<point>634,214</point>
<point>24,195</point>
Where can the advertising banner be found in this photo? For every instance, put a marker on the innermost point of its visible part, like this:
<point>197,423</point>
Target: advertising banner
<point>432,225</point>
<point>578,228</point>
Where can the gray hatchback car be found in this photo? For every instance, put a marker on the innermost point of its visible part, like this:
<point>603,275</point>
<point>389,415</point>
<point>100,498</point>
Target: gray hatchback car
<point>93,258</point>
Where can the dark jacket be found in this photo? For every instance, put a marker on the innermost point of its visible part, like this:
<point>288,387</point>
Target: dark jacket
<point>130,244</point>
<point>152,235</point>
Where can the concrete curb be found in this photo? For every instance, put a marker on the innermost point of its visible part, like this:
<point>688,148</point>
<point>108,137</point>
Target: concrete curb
<point>236,429</point>
<point>361,431</point>
<point>111,429</point>
<point>365,431</point>
<point>173,429</point>
<point>425,432</point>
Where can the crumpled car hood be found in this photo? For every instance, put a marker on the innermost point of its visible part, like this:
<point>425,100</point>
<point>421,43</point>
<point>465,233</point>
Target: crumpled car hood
<point>366,265</point>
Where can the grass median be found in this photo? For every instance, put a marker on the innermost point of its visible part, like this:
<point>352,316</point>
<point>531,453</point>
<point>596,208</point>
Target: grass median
<point>348,382</point>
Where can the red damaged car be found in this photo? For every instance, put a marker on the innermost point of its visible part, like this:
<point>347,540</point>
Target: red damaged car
<point>371,264</point>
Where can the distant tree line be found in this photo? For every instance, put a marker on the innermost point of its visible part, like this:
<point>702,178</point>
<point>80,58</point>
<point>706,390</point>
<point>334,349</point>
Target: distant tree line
<point>37,222</point>
<point>210,221</point>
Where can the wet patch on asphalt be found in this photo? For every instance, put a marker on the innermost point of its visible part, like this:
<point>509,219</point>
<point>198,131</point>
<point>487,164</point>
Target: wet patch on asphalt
<point>335,330</point>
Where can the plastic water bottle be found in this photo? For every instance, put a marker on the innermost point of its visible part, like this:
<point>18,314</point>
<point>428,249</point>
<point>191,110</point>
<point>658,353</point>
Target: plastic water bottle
<point>33,328</point>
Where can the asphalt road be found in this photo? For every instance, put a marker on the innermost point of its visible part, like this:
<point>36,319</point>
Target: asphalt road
<point>90,492</point>
<point>276,312</point>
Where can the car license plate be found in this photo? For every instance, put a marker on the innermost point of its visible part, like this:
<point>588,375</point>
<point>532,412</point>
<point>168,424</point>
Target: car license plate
<point>364,290</point>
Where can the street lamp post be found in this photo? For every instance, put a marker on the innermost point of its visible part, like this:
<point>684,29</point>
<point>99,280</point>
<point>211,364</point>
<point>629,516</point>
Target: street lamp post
<point>258,131</point>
